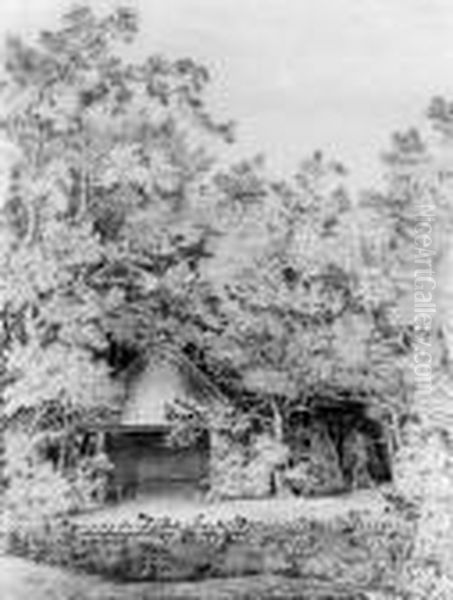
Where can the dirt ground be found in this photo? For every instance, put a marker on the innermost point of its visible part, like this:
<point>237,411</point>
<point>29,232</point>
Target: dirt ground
<point>23,580</point>
<point>273,509</point>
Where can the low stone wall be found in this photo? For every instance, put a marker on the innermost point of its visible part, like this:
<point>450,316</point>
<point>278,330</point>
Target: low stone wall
<point>349,551</point>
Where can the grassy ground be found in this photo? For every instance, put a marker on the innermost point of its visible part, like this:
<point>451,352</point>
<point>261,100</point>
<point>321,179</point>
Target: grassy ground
<point>22,580</point>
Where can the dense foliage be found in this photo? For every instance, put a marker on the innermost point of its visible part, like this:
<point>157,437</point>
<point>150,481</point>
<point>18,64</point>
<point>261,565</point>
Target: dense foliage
<point>104,225</point>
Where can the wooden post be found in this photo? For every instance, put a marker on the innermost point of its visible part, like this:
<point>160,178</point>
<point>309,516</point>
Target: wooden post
<point>278,422</point>
<point>100,442</point>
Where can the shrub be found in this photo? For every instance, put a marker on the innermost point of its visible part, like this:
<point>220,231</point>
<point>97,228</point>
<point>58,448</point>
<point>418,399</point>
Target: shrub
<point>347,551</point>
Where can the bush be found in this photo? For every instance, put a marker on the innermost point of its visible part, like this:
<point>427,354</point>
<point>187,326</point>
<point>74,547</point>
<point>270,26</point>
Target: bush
<point>347,551</point>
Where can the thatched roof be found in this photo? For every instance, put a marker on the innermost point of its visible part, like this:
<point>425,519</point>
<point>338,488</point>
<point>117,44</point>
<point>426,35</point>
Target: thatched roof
<point>161,380</point>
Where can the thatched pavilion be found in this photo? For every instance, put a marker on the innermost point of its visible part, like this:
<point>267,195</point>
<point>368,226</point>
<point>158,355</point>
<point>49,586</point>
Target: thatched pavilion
<point>138,443</point>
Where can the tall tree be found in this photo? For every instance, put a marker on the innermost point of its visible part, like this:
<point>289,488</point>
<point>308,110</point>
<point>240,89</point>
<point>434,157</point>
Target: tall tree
<point>104,223</point>
<point>294,319</point>
<point>415,214</point>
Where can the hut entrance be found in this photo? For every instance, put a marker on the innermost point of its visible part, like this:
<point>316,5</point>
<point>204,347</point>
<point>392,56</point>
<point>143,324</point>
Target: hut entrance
<point>336,447</point>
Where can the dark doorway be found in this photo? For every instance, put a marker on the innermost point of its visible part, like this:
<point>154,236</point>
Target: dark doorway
<point>146,464</point>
